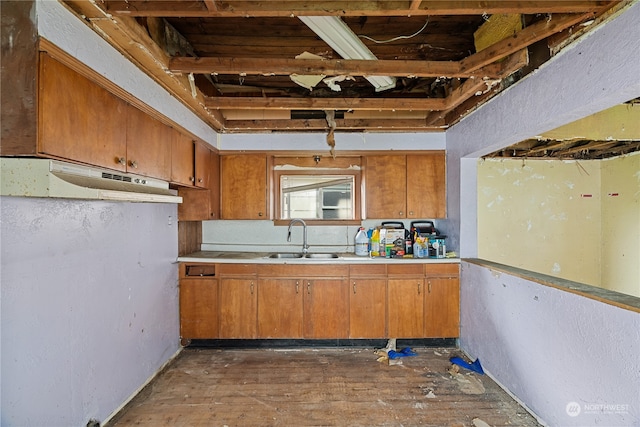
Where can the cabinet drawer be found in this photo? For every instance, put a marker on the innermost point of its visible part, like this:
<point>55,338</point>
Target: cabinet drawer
<point>196,270</point>
<point>442,269</point>
<point>405,269</point>
<point>237,269</point>
<point>304,270</point>
<point>367,270</point>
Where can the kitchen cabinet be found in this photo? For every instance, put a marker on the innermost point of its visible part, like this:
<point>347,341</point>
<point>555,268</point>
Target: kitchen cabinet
<point>442,300</point>
<point>243,186</point>
<point>280,310</point>
<point>78,119</point>
<point>148,145</point>
<point>405,300</point>
<point>405,186</point>
<point>198,302</point>
<point>201,204</point>
<point>367,301</point>
<point>238,301</point>
<point>182,162</point>
<point>326,308</point>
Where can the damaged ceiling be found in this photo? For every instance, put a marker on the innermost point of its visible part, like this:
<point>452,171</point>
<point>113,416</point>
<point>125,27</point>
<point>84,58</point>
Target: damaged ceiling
<point>260,66</point>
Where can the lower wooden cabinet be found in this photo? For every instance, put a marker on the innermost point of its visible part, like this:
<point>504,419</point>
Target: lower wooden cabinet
<point>280,309</point>
<point>367,301</point>
<point>199,308</point>
<point>284,301</point>
<point>326,307</point>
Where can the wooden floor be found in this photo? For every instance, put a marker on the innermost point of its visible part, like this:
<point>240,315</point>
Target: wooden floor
<point>319,387</point>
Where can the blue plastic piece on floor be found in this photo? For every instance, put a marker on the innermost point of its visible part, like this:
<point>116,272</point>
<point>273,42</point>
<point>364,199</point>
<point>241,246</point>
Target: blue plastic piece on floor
<point>475,366</point>
<point>402,353</point>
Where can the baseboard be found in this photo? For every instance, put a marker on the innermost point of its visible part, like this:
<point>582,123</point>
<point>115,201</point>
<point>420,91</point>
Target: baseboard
<point>297,343</point>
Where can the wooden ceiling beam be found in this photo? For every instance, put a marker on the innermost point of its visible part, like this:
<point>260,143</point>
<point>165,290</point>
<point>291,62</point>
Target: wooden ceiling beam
<point>367,104</point>
<point>349,67</point>
<point>233,8</point>
<point>329,67</point>
<point>520,40</point>
<point>319,125</point>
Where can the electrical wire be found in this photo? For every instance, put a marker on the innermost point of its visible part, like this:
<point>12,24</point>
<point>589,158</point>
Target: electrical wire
<point>395,38</point>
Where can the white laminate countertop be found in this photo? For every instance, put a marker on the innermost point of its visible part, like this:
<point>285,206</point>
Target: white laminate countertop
<point>263,258</point>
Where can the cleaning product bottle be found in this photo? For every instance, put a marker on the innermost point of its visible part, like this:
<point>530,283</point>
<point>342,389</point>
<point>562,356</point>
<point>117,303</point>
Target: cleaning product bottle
<point>362,242</point>
<point>375,242</point>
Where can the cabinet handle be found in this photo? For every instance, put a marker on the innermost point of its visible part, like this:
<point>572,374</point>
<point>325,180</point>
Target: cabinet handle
<point>354,287</point>
<point>418,288</point>
<point>121,161</point>
<point>251,288</point>
<point>297,287</point>
<point>429,282</point>
<point>133,164</point>
<point>308,288</point>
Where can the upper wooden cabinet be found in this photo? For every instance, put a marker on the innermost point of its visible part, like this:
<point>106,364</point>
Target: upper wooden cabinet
<point>182,159</point>
<point>79,120</point>
<point>243,186</point>
<point>405,186</point>
<point>148,145</point>
<point>201,204</point>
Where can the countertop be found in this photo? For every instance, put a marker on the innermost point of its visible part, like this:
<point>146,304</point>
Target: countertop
<point>263,258</point>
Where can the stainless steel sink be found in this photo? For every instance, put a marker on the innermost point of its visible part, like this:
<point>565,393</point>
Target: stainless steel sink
<point>285,255</point>
<point>322,256</point>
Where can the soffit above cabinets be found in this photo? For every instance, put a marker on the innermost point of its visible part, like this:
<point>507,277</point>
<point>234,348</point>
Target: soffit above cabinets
<point>264,66</point>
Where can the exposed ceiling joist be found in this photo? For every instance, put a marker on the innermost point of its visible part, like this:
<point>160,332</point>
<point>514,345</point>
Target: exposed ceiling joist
<point>276,125</point>
<point>196,8</point>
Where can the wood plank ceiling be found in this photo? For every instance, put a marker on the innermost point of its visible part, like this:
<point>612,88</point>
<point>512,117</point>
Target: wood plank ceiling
<point>231,61</point>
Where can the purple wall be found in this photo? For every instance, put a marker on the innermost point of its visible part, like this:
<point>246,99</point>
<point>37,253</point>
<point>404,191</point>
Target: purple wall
<point>551,348</point>
<point>89,306</point>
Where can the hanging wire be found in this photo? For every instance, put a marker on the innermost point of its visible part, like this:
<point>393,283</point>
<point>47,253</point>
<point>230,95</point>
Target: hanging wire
<point>395,38</point>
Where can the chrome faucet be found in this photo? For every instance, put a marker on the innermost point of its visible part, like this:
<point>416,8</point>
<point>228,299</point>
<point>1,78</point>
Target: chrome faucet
<point>305,246</point>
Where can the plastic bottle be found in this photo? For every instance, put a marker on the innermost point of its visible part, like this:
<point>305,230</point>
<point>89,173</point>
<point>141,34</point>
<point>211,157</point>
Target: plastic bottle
<point>362,242</point>
<point>375,242</point>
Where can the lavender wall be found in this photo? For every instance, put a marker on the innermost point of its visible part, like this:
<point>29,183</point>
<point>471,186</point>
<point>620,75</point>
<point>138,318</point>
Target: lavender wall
<point>558,348</point>
<point>551,348</point>
<point>89,306</point>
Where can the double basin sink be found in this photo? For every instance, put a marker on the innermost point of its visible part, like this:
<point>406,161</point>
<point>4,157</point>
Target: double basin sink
<point>287,255</point>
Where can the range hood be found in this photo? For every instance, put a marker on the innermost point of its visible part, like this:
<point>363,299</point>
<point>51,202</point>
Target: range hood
<point>29,177</point>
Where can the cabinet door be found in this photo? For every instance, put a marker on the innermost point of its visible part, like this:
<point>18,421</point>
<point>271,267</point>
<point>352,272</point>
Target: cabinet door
<point>442,307</point>
<point>280,308</point>
<point>405,307</point>
<point>238,308</point>
<point>79,120</point>
<point>182,159</point>
<point>426,186</point>
<point>243,186</point>
<point>202,169</point>
<point>367,308</point>
<point>198,308</point>
<point>326,308</point>
<point>214,185</point>
<point>386,180</point>
<point>148,145</point>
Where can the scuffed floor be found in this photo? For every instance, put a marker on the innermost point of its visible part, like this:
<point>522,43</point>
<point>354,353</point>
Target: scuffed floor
<point>320,387</point>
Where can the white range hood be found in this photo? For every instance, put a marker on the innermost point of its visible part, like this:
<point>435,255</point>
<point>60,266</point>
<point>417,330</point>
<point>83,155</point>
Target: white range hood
<point>28,177</point>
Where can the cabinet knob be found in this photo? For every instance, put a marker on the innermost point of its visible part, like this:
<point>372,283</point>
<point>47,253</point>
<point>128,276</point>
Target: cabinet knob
<point>200,180</point>
<point>121,161</point>
<point>259,213</point>
<point>401,213</point>
<point>411,213</point>
<point>133,164</point>
<point>192,179</point>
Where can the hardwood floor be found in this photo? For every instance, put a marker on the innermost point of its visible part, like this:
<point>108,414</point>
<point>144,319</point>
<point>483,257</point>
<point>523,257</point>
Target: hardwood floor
<point>318,387</point>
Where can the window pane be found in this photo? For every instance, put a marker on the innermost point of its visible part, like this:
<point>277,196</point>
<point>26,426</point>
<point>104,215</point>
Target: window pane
<point>316,197</point>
